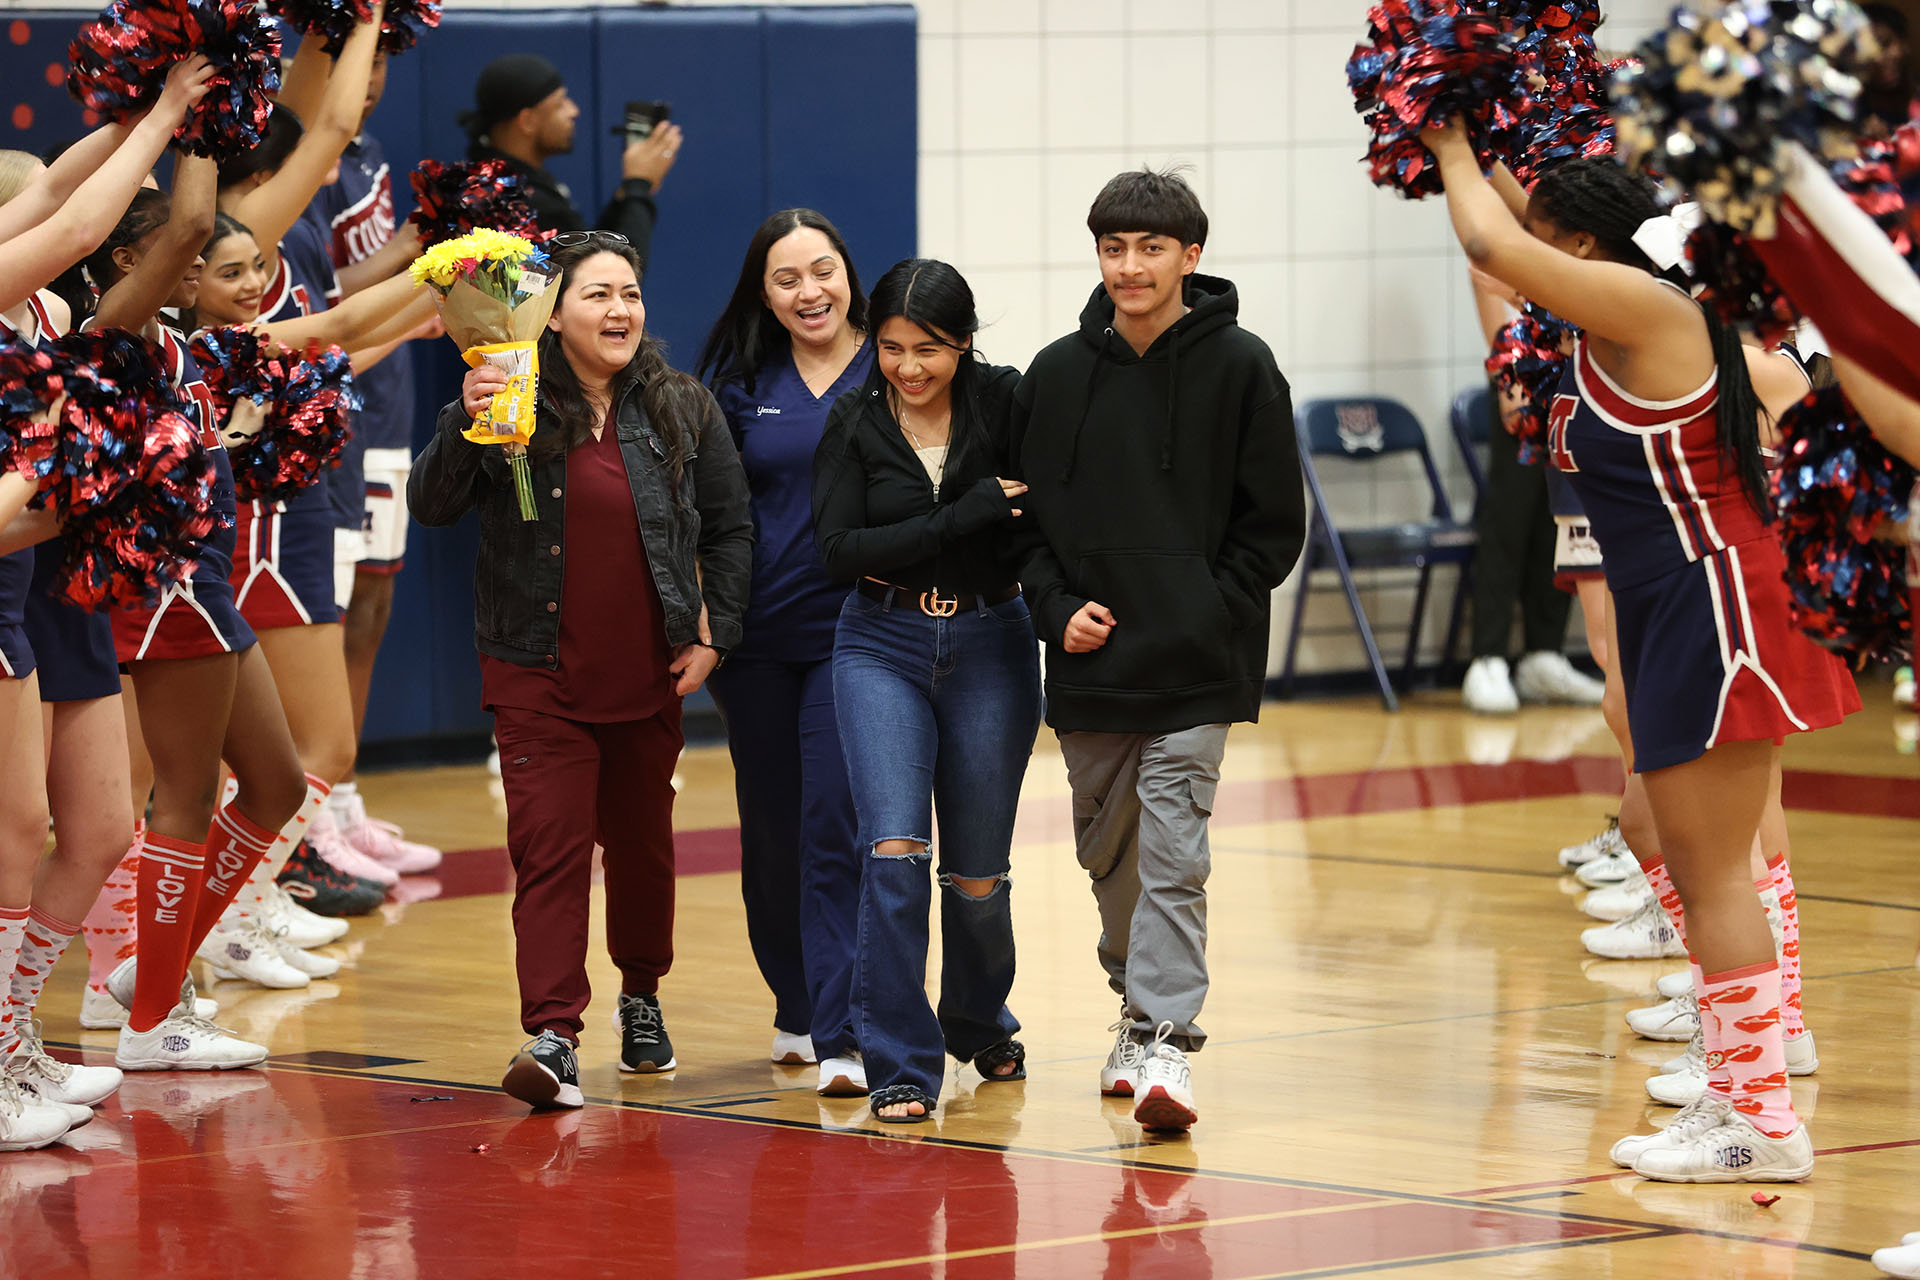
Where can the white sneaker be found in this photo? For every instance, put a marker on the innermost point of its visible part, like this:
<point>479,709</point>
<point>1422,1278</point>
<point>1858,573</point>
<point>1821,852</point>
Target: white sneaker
<point>843,1077</point>
<point>1164,1087</point>
<point>1732,1151</point>
<point>1120,1077</point>
<point>1617,902</point>
<point>1680,1088</point>
<point>1694,1059</point>
<point>1901,1260</point>
<point>305,929</point>
<point>1677,983</point>
<point>324,838</point>
<point>1487,688</point>
<point>1616,866</point>
<point>244,950</point>
<point>1709,1111</point>
<point>120,984</point>
<point>51,1080</point>
<point>1595,846</point>
<point>1645,935</point>
<point>1803,1059</point>
<point>1545,676</point>
<point>311,963</point>
<point>382,841</point>
<point>183,1042</point>
<point>792,1050</point>
<point>1675,1019</point>
<point>26,1123</point>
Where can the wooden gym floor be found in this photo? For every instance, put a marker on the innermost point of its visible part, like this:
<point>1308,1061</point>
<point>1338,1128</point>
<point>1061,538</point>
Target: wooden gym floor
<point>1414,1069</point>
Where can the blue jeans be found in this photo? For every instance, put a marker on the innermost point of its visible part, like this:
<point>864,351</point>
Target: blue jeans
<point>934,711</point>
<point>799,865</point>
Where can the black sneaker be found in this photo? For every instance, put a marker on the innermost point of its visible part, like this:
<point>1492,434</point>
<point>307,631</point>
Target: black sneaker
<point>324,889</point>
<point>544,1073</point>
<point>644,1045</point>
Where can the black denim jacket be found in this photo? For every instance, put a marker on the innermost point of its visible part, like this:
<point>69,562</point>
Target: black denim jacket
<point>699,541</point>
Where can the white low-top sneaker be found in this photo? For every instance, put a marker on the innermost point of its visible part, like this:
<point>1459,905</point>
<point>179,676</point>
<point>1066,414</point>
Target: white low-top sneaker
<point>1615,867</point>
<point>1488,689</point>
<point>1120,1076</point>
<point>1594,846</point>
<point>1677,983</point>
<point>1646,935</point>
<point>244,950</point>
<point>1732,1151</point>
<point>1803,1059</point>
<point>1675,1019</point>
<point>1694,1059</point>
<point>1546,676</point>
<point>120,985</point>
<point>311,963</point>
<point>1617,902</point>
<point>1678,1088</point>
<point>843,1077</point>
<point>26,1123</point>
<point>1163,1092</point>
<point>791,1050</point>
<point>51,1080</point>
<point>304,929</point>
<point>1708,1111</point>
<point>183,1042</point>
<point>1901,1260</point>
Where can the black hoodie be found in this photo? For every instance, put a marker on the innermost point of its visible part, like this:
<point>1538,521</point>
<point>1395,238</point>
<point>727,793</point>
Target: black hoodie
<point>1166,486</point>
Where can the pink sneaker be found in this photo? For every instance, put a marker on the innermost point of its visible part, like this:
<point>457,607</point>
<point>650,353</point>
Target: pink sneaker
<point>381,841</point>
<point>324,838</point>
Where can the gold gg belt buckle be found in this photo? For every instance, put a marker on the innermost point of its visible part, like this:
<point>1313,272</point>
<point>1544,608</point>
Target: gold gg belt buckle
<point>935,605</point>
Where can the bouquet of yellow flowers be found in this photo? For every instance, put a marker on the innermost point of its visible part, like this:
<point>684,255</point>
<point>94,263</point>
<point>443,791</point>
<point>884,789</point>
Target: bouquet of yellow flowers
<point>495,293</point>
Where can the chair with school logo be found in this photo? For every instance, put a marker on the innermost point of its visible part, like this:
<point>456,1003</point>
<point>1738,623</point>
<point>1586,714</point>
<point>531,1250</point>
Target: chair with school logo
<point>1363,437</point>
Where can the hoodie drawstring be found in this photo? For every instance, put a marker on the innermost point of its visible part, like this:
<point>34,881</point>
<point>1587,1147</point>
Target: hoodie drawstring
<point>1173,394</point>
<point>1086,406</point>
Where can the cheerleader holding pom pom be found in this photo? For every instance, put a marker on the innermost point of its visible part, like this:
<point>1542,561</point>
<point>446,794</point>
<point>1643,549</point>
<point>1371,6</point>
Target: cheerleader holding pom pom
<point>1657,426</point>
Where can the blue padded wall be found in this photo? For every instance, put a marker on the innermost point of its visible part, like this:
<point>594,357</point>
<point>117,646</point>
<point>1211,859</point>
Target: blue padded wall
<point>781,107</point>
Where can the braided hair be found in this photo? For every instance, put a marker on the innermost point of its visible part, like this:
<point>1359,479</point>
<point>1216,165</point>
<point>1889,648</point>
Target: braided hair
<point>1598,196</point>
<point>147,214</point>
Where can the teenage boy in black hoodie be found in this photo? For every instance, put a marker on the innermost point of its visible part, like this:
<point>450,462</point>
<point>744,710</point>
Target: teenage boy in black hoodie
<point>1165,506</point>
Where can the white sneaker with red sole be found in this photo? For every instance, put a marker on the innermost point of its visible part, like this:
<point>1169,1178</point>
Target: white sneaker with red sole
<point>1164,1090</point>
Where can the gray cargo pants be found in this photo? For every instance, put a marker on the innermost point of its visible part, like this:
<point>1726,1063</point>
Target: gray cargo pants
<point>1140,809</point>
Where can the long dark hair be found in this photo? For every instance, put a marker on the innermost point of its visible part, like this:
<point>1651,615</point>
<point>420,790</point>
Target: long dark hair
<point>675,402</point>
<point>147,214</point>
<point>224,225</point>
<point>1595,194</point>
<point>932,294</point>
<point>277,142</point>
<point>747,335</point>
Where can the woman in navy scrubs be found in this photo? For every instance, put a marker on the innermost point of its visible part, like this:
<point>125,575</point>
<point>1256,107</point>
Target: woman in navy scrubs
<point>791,341</point>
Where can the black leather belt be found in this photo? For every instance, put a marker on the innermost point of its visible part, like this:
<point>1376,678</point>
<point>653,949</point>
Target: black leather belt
<point>934,603</point>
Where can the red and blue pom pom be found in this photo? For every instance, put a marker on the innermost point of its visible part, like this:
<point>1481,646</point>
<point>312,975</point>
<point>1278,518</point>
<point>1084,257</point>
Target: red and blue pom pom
<point>334,20</point>
<point>1835,489</point>
<point>1529,356</point>
<point>451,200</point>
<point>119,64</point>
<point>1423,62</point>
<point>1714,100</point>
<point>309,409</point>
<point>30,383</point>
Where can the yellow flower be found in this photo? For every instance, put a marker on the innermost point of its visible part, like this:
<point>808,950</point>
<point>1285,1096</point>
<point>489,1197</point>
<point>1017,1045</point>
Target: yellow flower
<point>442,264</point>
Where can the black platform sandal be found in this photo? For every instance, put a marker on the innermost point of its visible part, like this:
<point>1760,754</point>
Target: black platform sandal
<point>896,1094</point>
<point>989,1060</point>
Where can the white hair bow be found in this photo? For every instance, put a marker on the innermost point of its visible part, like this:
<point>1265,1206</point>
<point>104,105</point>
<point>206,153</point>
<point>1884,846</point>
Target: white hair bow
<point>1663,237</point>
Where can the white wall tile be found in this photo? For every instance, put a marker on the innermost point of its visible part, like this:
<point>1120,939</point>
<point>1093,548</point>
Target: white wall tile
<point>1069,184</point>
<point>1167,105</point>
<point>1251,15</point>
<point>939,196</point>
<point>999,217</point>
<point>1066,293</point>
<point>1266,303</point>
<point>999,17</point>
<point>1084,16</point>
<point>999,92</point>
<point>1162,17</point>
<point>1322,103</point>
<point>1330,202</point>
<point>1412,309</point>
<point>1078,94</point>
<point>1250,81</point>
<point>938,17</point>
<point>1347,17</point>
<point>1335,322</point>
<point>1410,226</point>
<point>1010,304</point>
<point>1249,213</point>
<point>939,93</point>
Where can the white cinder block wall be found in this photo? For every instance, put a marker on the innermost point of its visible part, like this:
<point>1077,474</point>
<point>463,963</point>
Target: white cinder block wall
<point>1027,106</point>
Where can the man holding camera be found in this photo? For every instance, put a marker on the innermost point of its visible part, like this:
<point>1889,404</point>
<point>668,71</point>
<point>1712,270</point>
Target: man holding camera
<point>522,115</point>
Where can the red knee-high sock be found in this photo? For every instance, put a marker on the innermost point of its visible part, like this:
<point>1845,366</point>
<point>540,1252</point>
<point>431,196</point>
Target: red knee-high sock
<point>1790,1020</point>
<point>45,942</point>
<point>13,932</point>
<point>1745,1003</point>
<point>170,873</point>
<point>235,845</point>
<point>109,926</point>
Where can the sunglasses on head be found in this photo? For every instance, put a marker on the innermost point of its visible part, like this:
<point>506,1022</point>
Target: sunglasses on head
<point>572,239</point>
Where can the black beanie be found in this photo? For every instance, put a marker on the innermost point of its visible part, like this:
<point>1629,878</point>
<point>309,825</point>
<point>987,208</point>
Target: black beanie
<point>508,86</point>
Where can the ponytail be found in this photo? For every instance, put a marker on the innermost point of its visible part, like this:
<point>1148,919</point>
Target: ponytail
<point>1738,412</point>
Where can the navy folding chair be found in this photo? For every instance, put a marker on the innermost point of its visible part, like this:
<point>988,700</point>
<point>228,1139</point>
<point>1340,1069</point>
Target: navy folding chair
<point>1365,430</point>
<point>1471,418</point>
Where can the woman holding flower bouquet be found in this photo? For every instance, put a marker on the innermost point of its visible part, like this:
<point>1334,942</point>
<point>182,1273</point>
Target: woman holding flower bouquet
<point>585,656</point>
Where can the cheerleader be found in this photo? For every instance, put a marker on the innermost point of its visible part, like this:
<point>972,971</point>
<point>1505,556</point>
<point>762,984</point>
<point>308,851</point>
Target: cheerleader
<point>1657,426</point>
<point>54,220</point>
<point>268,263</point>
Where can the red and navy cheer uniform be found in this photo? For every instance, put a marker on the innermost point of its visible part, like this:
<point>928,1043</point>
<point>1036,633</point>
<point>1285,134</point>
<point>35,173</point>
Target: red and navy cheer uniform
<point>16,570</point>
<point>283,554</point>
<point>1708,653</point>
<point>72,647</point>
<point>196,617</point>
